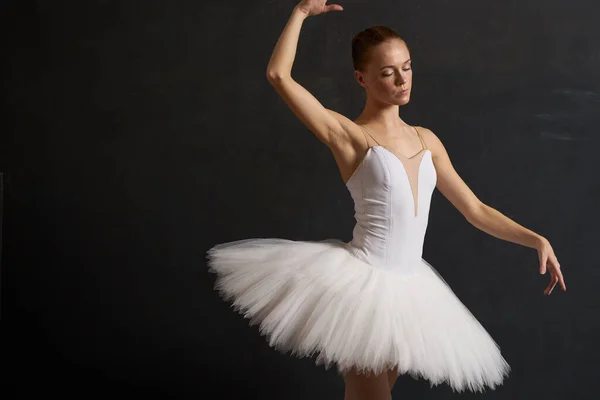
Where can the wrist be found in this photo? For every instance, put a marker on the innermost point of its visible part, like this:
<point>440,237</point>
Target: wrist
<point>539,241</point>
<point>302,10</point>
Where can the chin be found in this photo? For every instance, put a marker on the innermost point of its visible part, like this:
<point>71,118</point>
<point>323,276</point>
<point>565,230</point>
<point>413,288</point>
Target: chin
<point>403,101</point>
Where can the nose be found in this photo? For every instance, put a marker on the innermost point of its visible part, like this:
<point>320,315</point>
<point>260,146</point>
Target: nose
<point>401,79</point>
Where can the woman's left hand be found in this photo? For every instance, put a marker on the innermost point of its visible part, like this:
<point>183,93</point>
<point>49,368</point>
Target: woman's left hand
<point>548,261</point>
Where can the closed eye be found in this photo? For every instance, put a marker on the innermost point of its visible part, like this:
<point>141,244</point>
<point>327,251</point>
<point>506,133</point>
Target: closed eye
<point>403,69</point>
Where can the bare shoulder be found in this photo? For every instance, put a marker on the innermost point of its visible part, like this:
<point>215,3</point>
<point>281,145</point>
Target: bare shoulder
<point>449,182</point>
<point>439,155</point>
<point>433,142</point>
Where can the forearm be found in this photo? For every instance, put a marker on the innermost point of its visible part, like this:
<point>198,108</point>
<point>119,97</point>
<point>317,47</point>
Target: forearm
<point>282,59</point>
<point>494,223</point>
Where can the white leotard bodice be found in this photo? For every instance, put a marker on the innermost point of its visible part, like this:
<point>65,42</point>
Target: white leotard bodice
<point>392,195</point>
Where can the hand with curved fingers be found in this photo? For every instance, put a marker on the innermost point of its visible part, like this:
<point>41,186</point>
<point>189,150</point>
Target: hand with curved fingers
<point>548,261</point>
<point>316,7</point>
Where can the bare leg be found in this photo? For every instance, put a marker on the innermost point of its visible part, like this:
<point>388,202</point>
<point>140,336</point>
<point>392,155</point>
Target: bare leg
<point>392,376</point>
<point>367,387</point>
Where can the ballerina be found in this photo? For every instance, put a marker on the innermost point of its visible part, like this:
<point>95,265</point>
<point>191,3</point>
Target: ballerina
<point>373,307</point>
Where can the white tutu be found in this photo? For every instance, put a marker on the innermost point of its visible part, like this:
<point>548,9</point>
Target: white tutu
<point>316,298</point>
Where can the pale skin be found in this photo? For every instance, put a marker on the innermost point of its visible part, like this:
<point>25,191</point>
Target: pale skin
<point>388,72</point>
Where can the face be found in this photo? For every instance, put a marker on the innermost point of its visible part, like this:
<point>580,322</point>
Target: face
<point>388,74</point>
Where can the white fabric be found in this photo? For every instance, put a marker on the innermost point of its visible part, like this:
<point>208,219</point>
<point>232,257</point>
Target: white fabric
<point>373,303</point>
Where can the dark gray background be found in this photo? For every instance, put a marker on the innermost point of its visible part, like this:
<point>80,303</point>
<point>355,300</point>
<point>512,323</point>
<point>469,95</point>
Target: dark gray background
<point>140,133</point>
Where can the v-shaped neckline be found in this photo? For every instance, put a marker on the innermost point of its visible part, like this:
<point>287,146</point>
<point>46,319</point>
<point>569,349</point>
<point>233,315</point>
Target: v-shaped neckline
<point>415,201</point>
<point>413,192</point>
<point>400,155</point>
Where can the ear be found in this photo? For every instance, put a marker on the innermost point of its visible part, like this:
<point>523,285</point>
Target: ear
<point>359,78</point>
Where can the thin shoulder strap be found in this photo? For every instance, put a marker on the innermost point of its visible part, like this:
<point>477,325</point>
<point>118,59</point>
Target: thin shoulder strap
<point>418,134</point>
<point>365,130</point>
<point>420,138</point>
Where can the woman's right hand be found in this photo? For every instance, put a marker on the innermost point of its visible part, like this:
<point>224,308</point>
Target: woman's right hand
<point>316,7</point>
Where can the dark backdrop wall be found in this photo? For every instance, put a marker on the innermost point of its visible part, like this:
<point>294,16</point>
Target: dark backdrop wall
<point>139,134</point>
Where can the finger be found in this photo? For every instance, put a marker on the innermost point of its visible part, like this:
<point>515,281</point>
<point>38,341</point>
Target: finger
<point>557,273</point>
<point>543,260</point>
<point>550,286</point>
<point>547,289</point>
<point>562,281</point>
<point>333,7</point>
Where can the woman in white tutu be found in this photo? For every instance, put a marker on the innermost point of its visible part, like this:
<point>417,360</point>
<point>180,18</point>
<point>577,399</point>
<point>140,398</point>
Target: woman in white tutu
<point>373,307</point>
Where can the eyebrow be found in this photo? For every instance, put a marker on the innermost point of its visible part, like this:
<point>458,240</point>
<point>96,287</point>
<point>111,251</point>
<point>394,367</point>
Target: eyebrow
<point>391,66</point>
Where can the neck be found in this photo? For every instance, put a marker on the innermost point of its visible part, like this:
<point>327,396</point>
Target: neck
<point>385,117</point>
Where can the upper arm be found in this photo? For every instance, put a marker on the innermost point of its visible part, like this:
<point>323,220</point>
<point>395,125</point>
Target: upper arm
<point>449,183</point>
<point>325,124</point>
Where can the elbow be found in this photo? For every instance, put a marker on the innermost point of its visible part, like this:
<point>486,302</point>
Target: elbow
<point>273,76</point>
<point>473,214</point>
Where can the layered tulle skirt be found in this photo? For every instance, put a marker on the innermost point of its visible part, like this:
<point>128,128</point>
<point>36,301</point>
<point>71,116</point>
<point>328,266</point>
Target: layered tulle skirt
<point>317,298</point>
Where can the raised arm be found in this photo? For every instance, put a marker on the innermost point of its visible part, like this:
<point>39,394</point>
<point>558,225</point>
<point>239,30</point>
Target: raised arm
<point>327,125</point>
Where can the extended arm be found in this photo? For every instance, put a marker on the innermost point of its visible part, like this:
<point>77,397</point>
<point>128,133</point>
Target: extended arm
<point>486,218</point>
